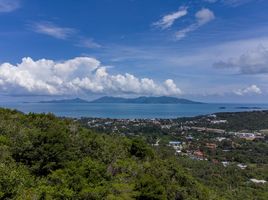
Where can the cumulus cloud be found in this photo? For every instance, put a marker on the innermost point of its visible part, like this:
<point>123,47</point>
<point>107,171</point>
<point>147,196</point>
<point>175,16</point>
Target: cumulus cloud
<point>203,16</point>
<point>252,62</point>
<point>9,5</point>
<point>81,75</point>
<point>168,20</point>
<point>53,30</point>
<point>253,89</point>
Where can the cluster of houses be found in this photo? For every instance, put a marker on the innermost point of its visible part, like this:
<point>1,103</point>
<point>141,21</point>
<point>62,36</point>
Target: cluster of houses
<point>125,126</point>
<point>178,146</point>
<point>188,132</point>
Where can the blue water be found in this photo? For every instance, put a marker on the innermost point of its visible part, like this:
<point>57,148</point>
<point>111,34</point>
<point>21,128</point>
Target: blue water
<point>129,110</point>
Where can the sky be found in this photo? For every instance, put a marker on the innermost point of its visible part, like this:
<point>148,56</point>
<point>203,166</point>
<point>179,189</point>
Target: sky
<point>206,50</point>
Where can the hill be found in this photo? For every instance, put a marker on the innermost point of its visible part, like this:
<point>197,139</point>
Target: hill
<point>145,100</point>
<point>44,157</point>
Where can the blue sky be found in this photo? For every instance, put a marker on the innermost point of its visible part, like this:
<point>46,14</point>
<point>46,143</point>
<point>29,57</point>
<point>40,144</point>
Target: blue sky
<point>209,50</point>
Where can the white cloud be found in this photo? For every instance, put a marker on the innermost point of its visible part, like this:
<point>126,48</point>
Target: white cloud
<point>253,89</point>
<point>9,5</point>
<point>75,76</point>
<point>183,32</point>
<point>203,16</point>
<point>53,30</point>
<point>88,43</point>
<point>48,28</point>
<point>168,20</point>
<point>251,62</point>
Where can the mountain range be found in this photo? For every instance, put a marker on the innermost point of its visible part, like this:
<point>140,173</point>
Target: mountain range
<point>138,100</point>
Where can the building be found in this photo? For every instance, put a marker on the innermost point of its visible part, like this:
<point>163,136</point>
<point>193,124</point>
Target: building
<point>247,136</point>
<point>218,121</point>
<point>241,166</point>
<point>189,137</point>
<point>199,155</point>
<point>175,144</point>
<point>257,181</point>
<point>211,145</point>
<point>225,163</point>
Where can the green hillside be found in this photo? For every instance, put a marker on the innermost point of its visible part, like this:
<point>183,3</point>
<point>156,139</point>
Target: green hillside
<point>45,157</point>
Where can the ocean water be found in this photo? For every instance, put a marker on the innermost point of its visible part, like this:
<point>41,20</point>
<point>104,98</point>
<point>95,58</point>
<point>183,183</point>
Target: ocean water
<point>131,111</point>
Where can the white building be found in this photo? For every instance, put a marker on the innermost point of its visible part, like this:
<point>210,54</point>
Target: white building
<point>257,181</point>
<point>175,144</point>
<point>241,166</point>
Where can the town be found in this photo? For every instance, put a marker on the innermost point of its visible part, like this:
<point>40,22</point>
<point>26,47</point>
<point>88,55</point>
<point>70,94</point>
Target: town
<point>208,138</point>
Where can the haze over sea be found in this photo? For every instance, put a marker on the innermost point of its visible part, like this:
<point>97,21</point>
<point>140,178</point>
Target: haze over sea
<point>131,111</point>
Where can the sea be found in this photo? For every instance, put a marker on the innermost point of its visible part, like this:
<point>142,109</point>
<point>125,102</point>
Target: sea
<point>130,111</point>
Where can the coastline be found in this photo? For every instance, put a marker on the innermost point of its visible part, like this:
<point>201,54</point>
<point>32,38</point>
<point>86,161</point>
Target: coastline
<point>133,111</point>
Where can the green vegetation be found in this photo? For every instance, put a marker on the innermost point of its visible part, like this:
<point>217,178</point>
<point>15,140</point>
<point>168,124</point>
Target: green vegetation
<point>44,157</point>
<point>250,121</point>
<point>230,182</point>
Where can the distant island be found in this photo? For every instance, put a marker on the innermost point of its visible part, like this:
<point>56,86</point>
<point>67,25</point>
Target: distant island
<point>76,100</point>
<point>138,100</point>
<point>145,100</point>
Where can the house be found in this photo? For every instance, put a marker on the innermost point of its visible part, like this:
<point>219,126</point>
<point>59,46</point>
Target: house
<point>199,154</point>
<point>175,144</point>
<point>247,136</point>
<point>218,121</point>
<point>225,163</point>
<point>211,145</point>
<point>189,137</point>
<point>241,166</point>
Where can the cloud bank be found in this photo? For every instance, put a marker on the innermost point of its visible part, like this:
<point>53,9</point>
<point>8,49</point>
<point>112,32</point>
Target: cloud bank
<point>252,62</point>
<point>80,75</point>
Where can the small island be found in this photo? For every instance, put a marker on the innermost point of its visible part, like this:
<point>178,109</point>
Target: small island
<point>76,100</point>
